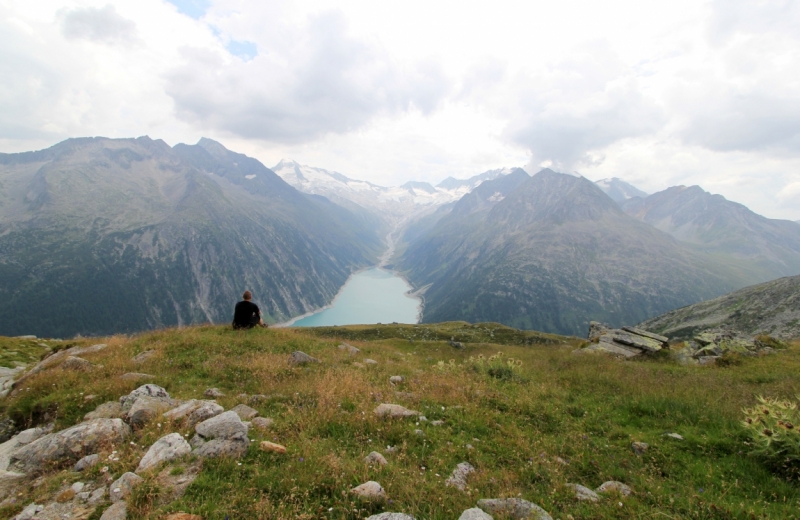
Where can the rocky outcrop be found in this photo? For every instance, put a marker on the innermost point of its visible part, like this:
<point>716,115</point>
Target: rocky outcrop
<point>222,436</point>
<point>458,479</point>
<point>394,411</point>
<point>626,342</point>
<point>70,445</point>
<point>301,358</point>
<point>194,412</point>
<point>166,448</point>
<point>705,348</point>
<point>515,508</point>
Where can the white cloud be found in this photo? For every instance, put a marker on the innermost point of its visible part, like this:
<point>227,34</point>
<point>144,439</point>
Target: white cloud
<point>103,24</point>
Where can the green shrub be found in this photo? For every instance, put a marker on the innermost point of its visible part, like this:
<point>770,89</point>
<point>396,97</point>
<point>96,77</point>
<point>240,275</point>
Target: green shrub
<point>772,426</point>
<point>497,367</point>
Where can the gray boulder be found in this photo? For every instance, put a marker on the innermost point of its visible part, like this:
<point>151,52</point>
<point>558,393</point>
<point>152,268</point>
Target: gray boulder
<point>147,408</point>
<point>17,441</point>
<point>122,487</point>
<point>391,516</point>
<point>109,410</point>
<point>394,411</point>
<point>396,380</point>
<point>625,342</point>
<point>87,462</point>
<point>458,479</point>
<point>143,356</point>
<point>118,511</point>
<point>77,364</point>
<point>234,446</point>
<point>148,390</point>
<point>262,423</point>
<point>166,448</point>
<point>583,493</point>
<point>376,458</point>
<point>97,496</point>
<point>223,426</point>
<point>639,448</point>
<point>370,491</point>
<point>29,512</point>
<point>301,358</point>
<point>222,436</point>
<point>213,392</point>
<point>350,349</point>
<point>515,508</point>
<point>194,412</point>
<point>70,445</point>
<point>613,486</point>
<point>244,412</point>
<point>474,514</point>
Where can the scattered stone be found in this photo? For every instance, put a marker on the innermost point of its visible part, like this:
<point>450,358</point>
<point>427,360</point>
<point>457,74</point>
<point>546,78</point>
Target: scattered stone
<point>422,418</point>
<point>272,447</point>
<point>145,409</point>
<point>29,512</point>
<point>583,493</point>
<point>391,449</point>
<point>70,445</point>
<point>183,516</point>
<point>57,357</point>
<point>122,487</point>
<point>515,508</point>
<point>262,423</point>
<point>9,476</point>
<point>394,411</point>
<point>676,436</point>
<point>16,442</point>
<point>135,376</point>
<point>234,447</point>
<point>65,496</point>
<point>359,365</point>
<point>148,390</point>
<point>258,398</point>
<point>456,344</point>
<point>83,496</point>
<point>27,336</point>
<point>625,342</point>
<point>97,496</point>
<point>77,487</point>
<point>109,410</point>
<point>370,491</point>
<point>222,426</point>
<point>437,422</point>
<point>244,412</point>
<point>301,358</point>
<point>639,447</point>
<point>708,360</point>
<point>376,458</point>
<point>213,392</point>
<point>613,486</point>
<point>89,397</point>
<point>118,511</point>
<point>194,412</point>
<point>474,514</point>
<point>370,362</point>
<point>174,487</point>
<point>419,432</point>
<point>350,349</point>
<point>458,479</point>
<point>395,380</point>
<point>391,516</point>
<point>561,461</point>
<point>164,449</point>
<point>77,364</point>
<point>228,436</point>
<point>143,356</point>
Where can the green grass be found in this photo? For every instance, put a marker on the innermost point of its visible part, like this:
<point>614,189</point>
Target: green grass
<point>583,409</point>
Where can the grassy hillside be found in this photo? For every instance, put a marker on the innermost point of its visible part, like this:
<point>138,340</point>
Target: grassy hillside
<point>558,418</point>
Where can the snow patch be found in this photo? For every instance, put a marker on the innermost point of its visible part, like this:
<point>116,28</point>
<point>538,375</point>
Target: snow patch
<point>250,176</point>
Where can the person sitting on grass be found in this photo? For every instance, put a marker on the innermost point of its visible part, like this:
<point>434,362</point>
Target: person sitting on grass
<point>246,314</point>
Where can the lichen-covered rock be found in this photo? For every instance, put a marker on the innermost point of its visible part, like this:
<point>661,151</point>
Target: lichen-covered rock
<point>166,448</point>
<point>376,458</point>
<point>118,511</point>
<point>148,390</point>
<point>87,462</point>
<point>244,412</point>
<point>458,479</point>
<point>370,491</point>
<point>475,514</point>
<point>262,423</point>
<point>613,486</point>
<point>350,349</point>
<point>144,356</point>
<point>639,447</point>
<point>391,516</point>
<point>77,364</point>
<point>394,411</point>
<point>147,408</point>
<point>194,411</point>
<point>301,358</point>
<point>213,392</point>
<point>583,493</point>
<point>222,426</point>
<point>122,487</point>
<point>395,380</point>
<point>235,446</point>
<point>515,508</point>
<point>23,438</point>
<point>70,445</point>
<point>109,410</point>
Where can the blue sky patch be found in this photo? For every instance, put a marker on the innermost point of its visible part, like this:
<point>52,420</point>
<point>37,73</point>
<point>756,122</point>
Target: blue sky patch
<point>244,49</point>
<point>193,8</point>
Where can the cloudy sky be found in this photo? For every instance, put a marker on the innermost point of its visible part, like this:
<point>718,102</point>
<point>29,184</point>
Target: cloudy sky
<point>657,93</point>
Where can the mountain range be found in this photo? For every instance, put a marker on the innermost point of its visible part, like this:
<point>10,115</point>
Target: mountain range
<point>116,235</point>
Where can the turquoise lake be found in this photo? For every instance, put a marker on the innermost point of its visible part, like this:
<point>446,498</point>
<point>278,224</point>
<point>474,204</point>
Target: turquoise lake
<point>372,296</point>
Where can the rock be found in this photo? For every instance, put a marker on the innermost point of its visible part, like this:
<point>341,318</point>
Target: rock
<point>583,493</point>
<point>396,379</point>
<point>639,447</point>
<point>194,412</point>
<point>235,447</point>
<point>97,496</point>
<point>66,495</point>
<point>708,360</point>
<point>135,376</point>
<point>145,409</point>
<point>596,329</point>
<point>625,342</point>
<point>613,486</point>
<point>376,458</point>
<point>458,479</point>
<point>118,511</point>
<point>143,356</point>
<point>474,514</point>
<point>166,448</point>
<point>87,462</point>
<point>272,447</point>
<point>258,398</point>
<point>77,487</point>
<point>262,423</point>
<point>182,516</point>
<point>29,512</point>
<point>223,426</point>
<point>122,487</point>
<point>57,357</point>
<point>676,436</point>
<point>244,412</point>
<point>17,441</point>
<point>70,445</point>
<point>173,487</point>
<point>370,362</point>
<point>83,496</point>
<point>109,410</point>
<point>437,423</point>
<point>515,508</point>
<point>301,358</point>
<point>148,390</point>
<point>213,392</point>
<point>370,491</point>
<point>609,346</point>
<point>77,364</point>
<point>391,516</point>
<point>9,476</point>
<point>350,349</point>
<point>456,344</point>
<point>646,334</point>
<point>394,411</point>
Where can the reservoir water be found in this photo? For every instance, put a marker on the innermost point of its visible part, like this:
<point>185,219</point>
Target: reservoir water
<point>371,296</point>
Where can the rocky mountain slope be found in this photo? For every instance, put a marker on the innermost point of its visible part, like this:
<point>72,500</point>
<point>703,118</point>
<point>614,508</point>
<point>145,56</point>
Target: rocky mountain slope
<point>551,253</point>
<point>100,235</point>
<point>771,308</point>
<point>760,248</point>
<point>619,190</point>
